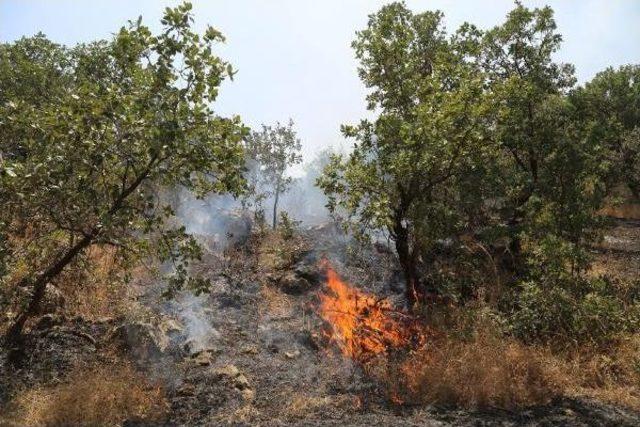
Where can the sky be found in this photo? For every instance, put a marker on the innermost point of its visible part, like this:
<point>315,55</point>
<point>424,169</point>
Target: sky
<point>294,58</point>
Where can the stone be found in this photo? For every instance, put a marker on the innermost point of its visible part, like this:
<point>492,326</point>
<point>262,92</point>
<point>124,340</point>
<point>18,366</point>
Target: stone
<point>308,271</point>
<point>292,354</point>
<point>250,349</point>
<point>241,382</point>
<point>292,284</point>
<point>52,301</point>
<point>142,340</point>
<point>204,357</point>
<point>236,379</point>
<point>230,371</point>
<point>248,394</point>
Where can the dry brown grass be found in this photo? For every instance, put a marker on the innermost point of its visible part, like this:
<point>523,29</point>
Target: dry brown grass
<point>304,405</point>
<point>105,396</point>
<point>612,376</point>
<point>624,210</point>
<point>483,371</point>
<point>275,252</point>
<point>275,303</point>
<point>100,291</point>
<point>487,369</point>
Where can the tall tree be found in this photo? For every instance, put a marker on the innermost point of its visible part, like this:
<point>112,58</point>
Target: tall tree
<point>413,168</point>
<point>273,150</point>
<point>87,135</point>
<point>547,174</point>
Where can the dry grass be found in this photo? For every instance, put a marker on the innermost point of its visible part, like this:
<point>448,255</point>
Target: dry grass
<point>105,396</point>
<point>275,303</point>
<point>303,405</point>
<point>491,370</point>
<point>277,253</point>
<point>612,376</point>
<point>484,371</point>
<point>100,291</point>
<point>624,210</point>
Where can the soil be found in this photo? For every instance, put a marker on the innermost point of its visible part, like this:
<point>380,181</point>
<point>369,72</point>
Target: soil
<point>250,354</point>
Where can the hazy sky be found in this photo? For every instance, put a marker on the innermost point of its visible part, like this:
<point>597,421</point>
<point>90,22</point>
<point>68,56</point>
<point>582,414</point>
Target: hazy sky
<point>294,56</point>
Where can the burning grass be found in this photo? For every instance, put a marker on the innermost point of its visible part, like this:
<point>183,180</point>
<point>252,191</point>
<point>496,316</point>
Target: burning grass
<point>108,395</point>
<point>467,360</point>
<point>418,365</point>
<point>363,326</point>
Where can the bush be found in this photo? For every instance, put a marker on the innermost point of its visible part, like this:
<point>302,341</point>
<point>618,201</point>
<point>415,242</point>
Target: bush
<point>570,311</point>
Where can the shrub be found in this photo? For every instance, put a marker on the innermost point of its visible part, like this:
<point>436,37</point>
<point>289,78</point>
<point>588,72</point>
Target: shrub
<point>288,226</point>
<point>570,311</point>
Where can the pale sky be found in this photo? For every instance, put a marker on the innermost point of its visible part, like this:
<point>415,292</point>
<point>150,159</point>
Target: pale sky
<point>294,56</point>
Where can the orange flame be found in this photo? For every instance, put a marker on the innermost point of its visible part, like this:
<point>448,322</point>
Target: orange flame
<point>361,325</point>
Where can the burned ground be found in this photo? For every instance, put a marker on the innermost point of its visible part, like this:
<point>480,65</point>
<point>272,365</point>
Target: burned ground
<point>252,353</point>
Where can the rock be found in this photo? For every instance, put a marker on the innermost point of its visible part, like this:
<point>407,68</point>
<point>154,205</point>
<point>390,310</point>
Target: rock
<point>230,371</point>
<point>48,321</point>
<point>248,394</point>
<point>195,346</point>
<point>204,357</point>
<point>142,340</point>
<point>293,284</point>
<point>250,349</point>
<point>292,354</point>
<point>308,271</point>
<point>239,382</point>
<point>169,326</point>
<point>52,300</point>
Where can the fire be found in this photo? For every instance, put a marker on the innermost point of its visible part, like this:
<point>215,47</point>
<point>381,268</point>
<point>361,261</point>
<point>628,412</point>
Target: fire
<point>361,325</point>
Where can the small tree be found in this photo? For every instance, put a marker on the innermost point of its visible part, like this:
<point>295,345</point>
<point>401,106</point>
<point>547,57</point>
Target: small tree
<point>87,136</point>
<point>416,172</point>
<point>609,106</point>
<point>273,150</point>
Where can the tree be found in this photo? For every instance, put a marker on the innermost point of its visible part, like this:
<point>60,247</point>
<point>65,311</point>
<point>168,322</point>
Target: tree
<point>547,175</point>
<point>416,171</point>
<point>609,106</point>
<point>87,136</point>
<point>274,150</point>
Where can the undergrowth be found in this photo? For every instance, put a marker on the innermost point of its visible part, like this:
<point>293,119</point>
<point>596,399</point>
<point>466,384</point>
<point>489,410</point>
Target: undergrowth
<point>106,395</point>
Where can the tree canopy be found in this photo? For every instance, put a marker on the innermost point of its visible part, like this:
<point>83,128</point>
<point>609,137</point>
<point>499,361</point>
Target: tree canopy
<point>475,134</point>
<point>89,134</point>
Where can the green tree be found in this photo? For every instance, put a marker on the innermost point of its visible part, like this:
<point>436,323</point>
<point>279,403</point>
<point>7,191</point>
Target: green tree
<point>273,150</point>
<point>416,171</point>
<point>548,174</point>
<point>89,134</point>
<point>610,107</point>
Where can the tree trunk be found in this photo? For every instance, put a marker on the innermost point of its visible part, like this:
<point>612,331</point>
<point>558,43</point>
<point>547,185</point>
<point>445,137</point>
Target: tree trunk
<point>275,209</point>
<point>414,291</point>
<point>14,333</point>
<point>634,187</point>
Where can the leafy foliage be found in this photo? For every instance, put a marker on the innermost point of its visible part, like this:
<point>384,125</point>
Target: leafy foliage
<point>476,137</point>
<point>410,169</point>
<point>89,134</point>
<point>271,151</point>
<point>610,107</point>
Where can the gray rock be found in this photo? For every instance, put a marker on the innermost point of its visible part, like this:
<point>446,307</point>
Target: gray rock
<point>142,340</point>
